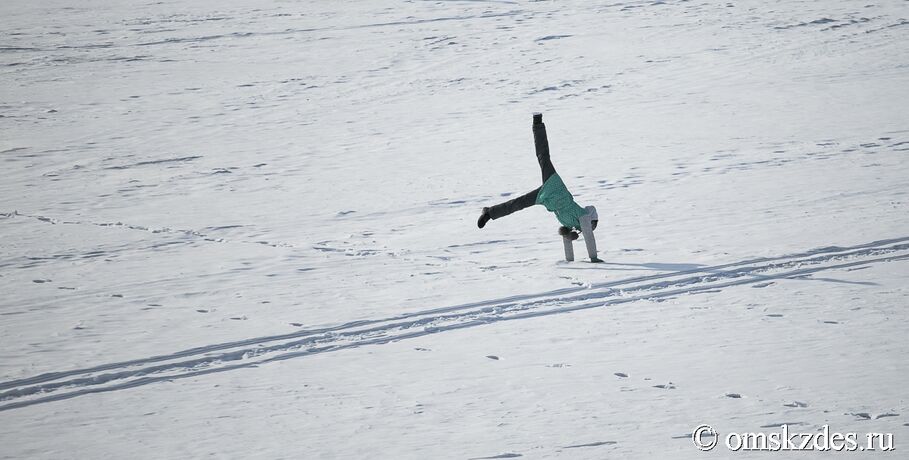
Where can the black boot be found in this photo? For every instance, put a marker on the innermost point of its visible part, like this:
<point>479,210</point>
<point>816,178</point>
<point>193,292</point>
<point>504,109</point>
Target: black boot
<point>481,222</point>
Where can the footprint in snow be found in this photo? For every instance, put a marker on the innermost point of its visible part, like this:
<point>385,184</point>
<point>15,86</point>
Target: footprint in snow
<point>688,436</point>
<point>796,404</point>
<point>777,425</point>
<point>592,444</point>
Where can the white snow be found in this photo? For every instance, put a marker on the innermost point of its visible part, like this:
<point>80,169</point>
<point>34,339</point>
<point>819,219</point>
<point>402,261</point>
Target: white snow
<point>247,229</point>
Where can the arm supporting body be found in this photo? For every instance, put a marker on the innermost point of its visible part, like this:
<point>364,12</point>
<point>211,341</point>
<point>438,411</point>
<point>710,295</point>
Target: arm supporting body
<point>587,230</point>
<point>569,248</point>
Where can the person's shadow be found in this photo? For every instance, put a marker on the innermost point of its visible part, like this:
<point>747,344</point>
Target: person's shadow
<point>617,266</point>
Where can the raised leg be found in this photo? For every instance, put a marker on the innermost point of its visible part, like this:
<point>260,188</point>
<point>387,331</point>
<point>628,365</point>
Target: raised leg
<point>541,143</point>
<point>516,204</point>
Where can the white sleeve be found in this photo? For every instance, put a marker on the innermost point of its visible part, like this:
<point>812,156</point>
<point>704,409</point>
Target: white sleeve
<point>589,240</point>
<point>569,248</point>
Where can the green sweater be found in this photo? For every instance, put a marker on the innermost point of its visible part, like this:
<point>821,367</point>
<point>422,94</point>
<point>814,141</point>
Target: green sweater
<point>557,199</point>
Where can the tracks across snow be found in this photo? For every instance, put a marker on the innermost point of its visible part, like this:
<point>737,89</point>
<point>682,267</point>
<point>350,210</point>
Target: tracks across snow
<point>252,352</point>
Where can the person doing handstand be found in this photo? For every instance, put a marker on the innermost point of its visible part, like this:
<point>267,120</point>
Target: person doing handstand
<point>553,195</point>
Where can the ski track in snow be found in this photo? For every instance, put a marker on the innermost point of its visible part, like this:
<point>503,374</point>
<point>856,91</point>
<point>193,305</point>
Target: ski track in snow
<point>223,357</point>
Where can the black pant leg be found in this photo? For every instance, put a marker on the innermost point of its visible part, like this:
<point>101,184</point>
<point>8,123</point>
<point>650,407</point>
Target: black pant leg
<point>542,146</point>
<point>516,204</point>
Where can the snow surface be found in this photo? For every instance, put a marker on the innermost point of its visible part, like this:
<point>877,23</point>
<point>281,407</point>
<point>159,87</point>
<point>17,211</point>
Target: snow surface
<point>247,229</point>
